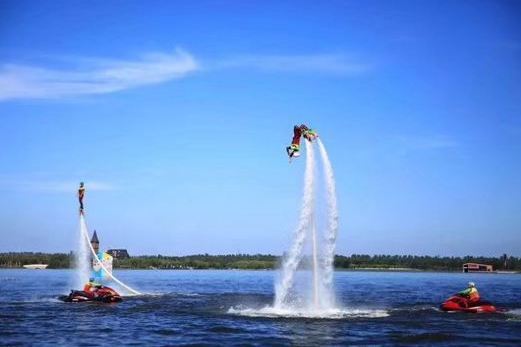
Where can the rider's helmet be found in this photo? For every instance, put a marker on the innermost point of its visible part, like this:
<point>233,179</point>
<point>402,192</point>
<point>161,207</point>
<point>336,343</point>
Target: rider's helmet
<point>472,284</point>
<point>81,184</point>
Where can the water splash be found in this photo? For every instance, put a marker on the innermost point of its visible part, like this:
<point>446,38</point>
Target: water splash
<point>316,271</point>
<point>333,313</point>
<point>332,225</point>
<point>85,235</point>
<point>83,260</point>
<point>321,298</point>
<point>292,260</point>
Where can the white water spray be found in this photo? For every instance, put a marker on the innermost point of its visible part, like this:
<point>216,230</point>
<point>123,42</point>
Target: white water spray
<point>292,260</point>
<point>332,226</point>
<point>85,237</point>
<point>83,265</point>
<point>321,299</point>
<point>316,271</point>
<point>322,258</point>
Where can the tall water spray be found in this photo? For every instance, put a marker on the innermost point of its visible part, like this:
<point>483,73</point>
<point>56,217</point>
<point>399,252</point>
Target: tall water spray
<point>86,251</point>
<point>312,293</point>
<point>332,224</point>
<point>83,260</point>
<point>316,271</point>
<point>322,257</point>
<point>293,257</point>
<point>86,254</point>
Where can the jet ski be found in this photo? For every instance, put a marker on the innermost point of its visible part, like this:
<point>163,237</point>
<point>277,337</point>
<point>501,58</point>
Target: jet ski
<point>103,294</point>
<point>460,304</point>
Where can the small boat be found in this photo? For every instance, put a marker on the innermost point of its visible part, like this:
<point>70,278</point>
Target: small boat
<point>36,266</point>
<point>461,304</point>
<point>103,294</point>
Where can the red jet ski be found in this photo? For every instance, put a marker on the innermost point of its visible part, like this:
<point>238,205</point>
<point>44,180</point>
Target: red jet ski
<point>103,294</point>
<point>460,304</point>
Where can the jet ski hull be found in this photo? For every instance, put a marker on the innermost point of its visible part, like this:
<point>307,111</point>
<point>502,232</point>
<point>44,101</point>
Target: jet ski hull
<point>105,295</point>
<point>459,304</point>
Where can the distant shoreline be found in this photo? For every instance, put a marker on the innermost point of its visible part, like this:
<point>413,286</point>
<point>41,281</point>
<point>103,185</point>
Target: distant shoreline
<point>355,262</point>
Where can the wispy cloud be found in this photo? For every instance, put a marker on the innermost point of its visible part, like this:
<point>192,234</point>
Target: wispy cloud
<point>338,64</point>
<point>93,76</point>
<point>50,186</point>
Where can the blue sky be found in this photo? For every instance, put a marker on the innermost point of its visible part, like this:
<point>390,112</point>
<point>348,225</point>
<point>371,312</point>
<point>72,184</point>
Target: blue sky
<point>176,116</point>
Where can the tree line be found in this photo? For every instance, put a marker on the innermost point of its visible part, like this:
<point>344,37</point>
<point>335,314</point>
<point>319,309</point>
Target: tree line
<point>19,259</point>
<point>427,263</point>
<point>265,261</point>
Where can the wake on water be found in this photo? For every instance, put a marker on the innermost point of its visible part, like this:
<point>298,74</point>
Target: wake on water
<point>334,313</point>
<point>319,299</point>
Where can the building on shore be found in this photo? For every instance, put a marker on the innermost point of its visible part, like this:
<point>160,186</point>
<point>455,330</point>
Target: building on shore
<point>95,242</point>
<point>474,267</point>
<point>118,253</point>
<point>102,262</point>
<point>115,253</point>
<point>36,266</point>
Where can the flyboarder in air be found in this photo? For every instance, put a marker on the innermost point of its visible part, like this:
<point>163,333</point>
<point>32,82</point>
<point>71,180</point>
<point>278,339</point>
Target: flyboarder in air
<point>293,150</point>
<point>81,194</point>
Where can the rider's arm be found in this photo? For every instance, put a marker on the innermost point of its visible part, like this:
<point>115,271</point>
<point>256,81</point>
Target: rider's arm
<point>465,292</point>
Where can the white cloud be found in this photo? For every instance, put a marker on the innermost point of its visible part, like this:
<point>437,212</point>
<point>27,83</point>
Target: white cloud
<point>338,64</point>
<point>93,76</point>
<point>89,76</point>
<point>50,186</point>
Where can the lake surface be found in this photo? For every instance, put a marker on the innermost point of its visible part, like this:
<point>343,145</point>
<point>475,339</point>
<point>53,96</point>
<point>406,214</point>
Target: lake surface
<point>225,308</point>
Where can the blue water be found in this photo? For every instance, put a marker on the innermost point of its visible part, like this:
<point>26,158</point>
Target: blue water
<point>211,307</point>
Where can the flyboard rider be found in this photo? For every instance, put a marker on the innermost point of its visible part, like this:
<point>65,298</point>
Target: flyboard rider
<point>471,294</point>
<point>81,195</point>
<point>92,290</point>
<point>92,287</point>
<point>293,150</point>
<point>299,131</point>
